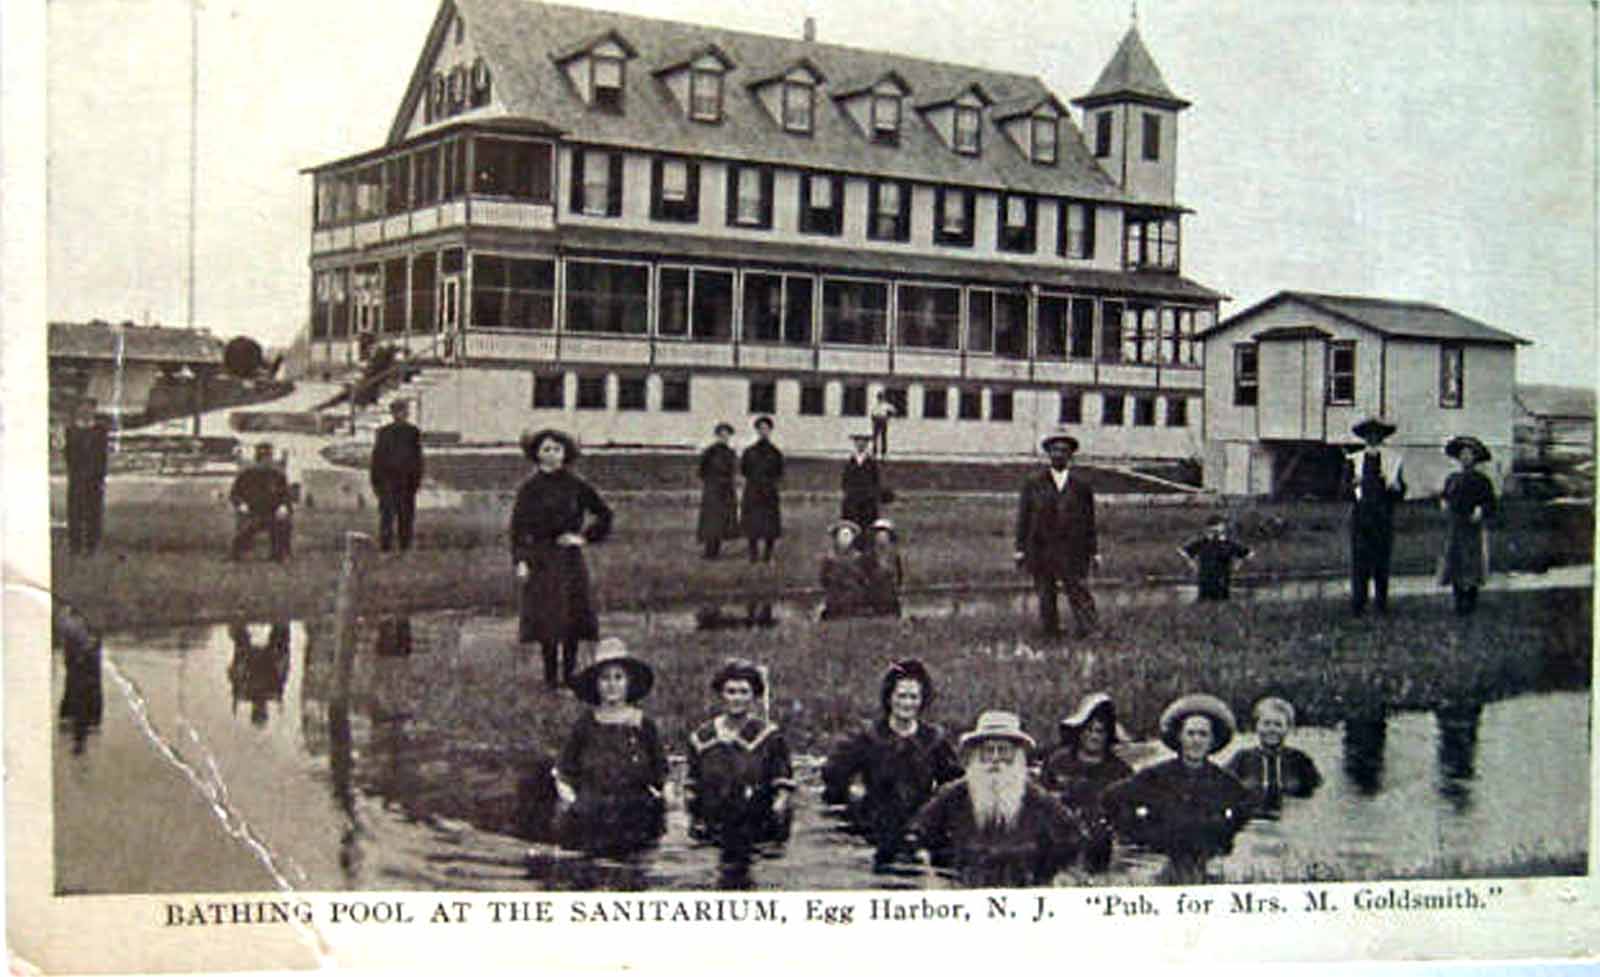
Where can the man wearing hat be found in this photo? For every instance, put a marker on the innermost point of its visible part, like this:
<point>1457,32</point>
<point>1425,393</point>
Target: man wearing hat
<point>861,486</point>
<point>396,471</point>
<point>1377,483</point>
<point>761,464</point>
<point>1056,541</point>
<point>87,450</point>
<point>719,506</point>
<point>994,827</point>
<point>261,503</point>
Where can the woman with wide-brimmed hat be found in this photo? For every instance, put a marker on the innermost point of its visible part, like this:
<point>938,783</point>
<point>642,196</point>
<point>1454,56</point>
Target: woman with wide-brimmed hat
<point>556,514</point>
<point>898,759</point>
<point>1468,500</point>
<point>1188,808</point>
<point>612,769</point>
<point>995,828</point>
<point>1084,764</point>
<point>740,777</point>
<point>844,573</point>
<point>719,504</point>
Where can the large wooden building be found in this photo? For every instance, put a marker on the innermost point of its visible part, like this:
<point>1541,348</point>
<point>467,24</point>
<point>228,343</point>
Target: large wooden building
<point>635,227</point>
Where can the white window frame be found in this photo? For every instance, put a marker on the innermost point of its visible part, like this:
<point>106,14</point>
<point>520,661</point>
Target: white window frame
<point>596,184</point>
<point>799,116</point>
<point>705,107</point>
<point>601,62</point>
<point>747,197</point>
<point>1044,150</point>
<point>885,113</point>
<point>968,138</point>
<point>953,218</point>
<point>674,171</point>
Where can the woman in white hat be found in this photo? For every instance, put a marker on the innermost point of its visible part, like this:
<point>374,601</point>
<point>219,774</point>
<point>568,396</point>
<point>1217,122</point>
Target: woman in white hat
<point>1188,808</point>
<point>1468,500</point>
<point>846,582</point>
<point>1080,769</point>
<point>993,827</point>
<point>612,770</point>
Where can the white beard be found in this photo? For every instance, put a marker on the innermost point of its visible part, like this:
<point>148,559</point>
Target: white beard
<point>997,795</point>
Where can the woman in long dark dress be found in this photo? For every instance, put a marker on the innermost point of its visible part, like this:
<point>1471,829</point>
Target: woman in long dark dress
<point>1468,500</point>
<point>719,506</point>
<point>612,770</point>
<point>1187,808</point>
<point>759,509</point>
<point>898,758</point>
<point>556,514</point>
<point>1080,769</point>
<point>739,778</point>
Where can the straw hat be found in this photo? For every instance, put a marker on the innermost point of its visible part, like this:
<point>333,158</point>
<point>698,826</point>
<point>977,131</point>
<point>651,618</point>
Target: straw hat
<point>886,525</point>
<point>612,651</point>
<point>1059,436</point>
<point>1095,703</point>
<point>1466,442</point>
<point>739,668</point>
<point>996,724</point>
<point>838,524</point>
<point>1373,426</point>
<point>1198,704</point>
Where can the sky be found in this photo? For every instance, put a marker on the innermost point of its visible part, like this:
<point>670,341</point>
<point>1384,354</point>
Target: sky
<point>1410,149</point>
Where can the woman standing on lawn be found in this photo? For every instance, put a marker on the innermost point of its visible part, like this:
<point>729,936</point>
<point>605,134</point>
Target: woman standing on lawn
<point>1468,499</point>
<point>760,508</point>
<point>610,776</point>
<point>739,780</point>
<point>719,507</point>
<point>555,516</point>
<point>899,758</point>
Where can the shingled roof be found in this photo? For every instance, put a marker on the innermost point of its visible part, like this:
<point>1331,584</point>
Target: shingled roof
<point>519,40</point>
<point>140,344</point>
<point>1390,317</point>
<point>1131,73</point>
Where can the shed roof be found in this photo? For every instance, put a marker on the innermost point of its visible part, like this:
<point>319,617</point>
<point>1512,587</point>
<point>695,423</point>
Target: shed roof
<point>1388,317</point>
<point>1556,400</point>
<point>147,344</point>
<point>520,41</point>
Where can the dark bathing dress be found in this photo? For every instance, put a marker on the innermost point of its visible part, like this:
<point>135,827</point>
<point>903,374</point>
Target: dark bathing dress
<point>900,774</point>
<point>734,779</point>
<point>555,604</point>
<point>617,770</point>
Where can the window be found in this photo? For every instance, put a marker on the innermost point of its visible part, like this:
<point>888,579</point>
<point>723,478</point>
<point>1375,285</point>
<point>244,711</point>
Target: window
<point>855,400</point>
<point>896,396</point>
<point>1016,224</point>
<point>394,295</point>
<point>369,192</point>
<point>705,95</point>
<point>608,297</point>
<point>675,394</point>
<point>1071,411</point>
<point>513,293</point>
<point>1140,339</point>
<point>596,183</point>
<point>425,182</point>
<point>886,118</point>
<point>1151,243</point>
<point>777,308</point>
<point>1001,405</point>
<point>970,405</point>
<point>423,313</point>
<point>631,393</point>
<point>1342,373</point>
<point>1080,331</point>
<point>1052,335</point>
<point>510,168</point>
<point>549,390</point>
<point>1111,410</point>
<point>1246,375</point>
<point>455,170</point>
<point>967,138</point>
<point>749,196</point>
<point>321,299</point>
<point>1452,375</point>
<point>799,100</point>
<point>763,397</point>
<point>1144,412</point>
<point>889,213</point>
<point>695,304</point>
<point>1152,136</point>
<point>935,402</point>
<point>1076,227</point>
<point>591,392</point>
<point>480,82</point>
<point>607,81</point>
<point>397,185</point>
<point>1111,332</point>
<point>812,399</point>
<point>854,311</point>
<point>928,317</point>
<point>821,204</point>
<point>997,323</point>
<point>953,216</point>
<point>1177,412</point>
<point>1045,133</point>
<point>1102,135</point>
<point>675,190</point>
<point>339,303</point>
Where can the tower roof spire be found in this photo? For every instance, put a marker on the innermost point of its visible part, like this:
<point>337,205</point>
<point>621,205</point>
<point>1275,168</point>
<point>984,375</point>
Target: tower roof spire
<point>1131,75</point>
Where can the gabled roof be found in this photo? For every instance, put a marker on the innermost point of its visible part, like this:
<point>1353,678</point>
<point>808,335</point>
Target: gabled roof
<point>144,344</point>
<point>1131,74</point>
<point>769,75</point>
<point>585,45</point>
<point>695,55</point>
<point>1555,400</point>
<point>518,37</point>
<point>1388,317</point>
<point>1026,105</point>
<point>937,99</point>
<point>855,86</point>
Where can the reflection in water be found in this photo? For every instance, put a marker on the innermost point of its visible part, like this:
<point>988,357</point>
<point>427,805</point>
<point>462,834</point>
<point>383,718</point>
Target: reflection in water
<point>258,673</point>
<point>1364,735</point>
<point>757,614</point>
<point>1458,747</point>
<point>82,699</point>
<point>394,637</point>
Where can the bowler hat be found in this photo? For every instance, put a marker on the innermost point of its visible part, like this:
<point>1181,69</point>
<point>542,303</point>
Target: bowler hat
<point>723,427</point>
<point>763,419</point>
<point>1059,436</point>
<point>996,724</point>
<point>1198,704</point>
<point>1092,705</point>
<point>612,651</point>
<point>739,668</point>
<point>1466,442</point>
<point>1372,426</point>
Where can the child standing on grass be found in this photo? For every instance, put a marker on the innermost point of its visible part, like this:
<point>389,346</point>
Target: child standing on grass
<point>1211,557</point>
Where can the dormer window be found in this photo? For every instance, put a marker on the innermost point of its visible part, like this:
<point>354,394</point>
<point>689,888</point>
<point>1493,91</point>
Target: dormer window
<point>705,95</point>
<point>966,130</point>
<point>1045,133</point>
<point>886,118</point>
<point>607,82</point>
<point>799,100</point>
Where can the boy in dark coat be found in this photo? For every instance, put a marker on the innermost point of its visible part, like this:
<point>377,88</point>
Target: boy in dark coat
<point>1211,556</point>
<point>861,486</point>
<point>261,503</point>
<point>87,449</point>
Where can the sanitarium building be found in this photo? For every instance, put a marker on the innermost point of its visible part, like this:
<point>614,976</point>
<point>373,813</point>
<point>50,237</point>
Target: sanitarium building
<point>634,228</point>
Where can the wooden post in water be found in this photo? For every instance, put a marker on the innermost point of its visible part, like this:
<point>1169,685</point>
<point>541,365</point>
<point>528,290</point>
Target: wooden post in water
<point>358,549</point>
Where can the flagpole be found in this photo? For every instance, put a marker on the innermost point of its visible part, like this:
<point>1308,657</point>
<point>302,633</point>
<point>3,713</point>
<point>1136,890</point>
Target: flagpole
<point>194,138</point>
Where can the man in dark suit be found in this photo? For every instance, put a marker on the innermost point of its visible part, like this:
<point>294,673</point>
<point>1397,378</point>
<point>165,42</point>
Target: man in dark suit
<point>862,488</point>
<point>1377,483</point>
<point>262,503</point>
<point>396,476</point>
<point>1056,539</point>
<point>87,449</point>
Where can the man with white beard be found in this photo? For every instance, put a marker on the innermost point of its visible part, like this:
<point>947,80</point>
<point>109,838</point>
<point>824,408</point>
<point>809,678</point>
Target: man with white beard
<point>993,827</point>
